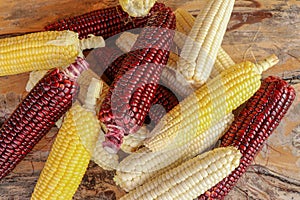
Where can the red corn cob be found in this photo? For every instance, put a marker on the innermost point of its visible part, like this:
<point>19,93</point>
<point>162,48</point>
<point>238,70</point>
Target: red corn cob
<point>109,62</point>
<point>50,98</point>
<point>104,22</point>
<point>256,122</point>
<point>129,99</point>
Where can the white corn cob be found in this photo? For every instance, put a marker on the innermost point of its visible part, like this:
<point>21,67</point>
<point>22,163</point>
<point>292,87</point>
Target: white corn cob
<point>200,49</point>
<point>139,167</point>
<point>184,24</point>
<point>190,179</point>
<point>137,8</point>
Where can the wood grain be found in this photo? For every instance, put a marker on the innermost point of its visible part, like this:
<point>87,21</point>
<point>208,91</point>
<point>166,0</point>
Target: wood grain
<point>256,30</point>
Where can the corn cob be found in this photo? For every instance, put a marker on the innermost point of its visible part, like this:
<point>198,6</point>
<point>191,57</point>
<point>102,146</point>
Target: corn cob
<point>255,123</point>
<point>42,50</point>
<point>104,22</point>
<point>138,168</point>
<point>137,8</point>
<point>163,95</point>
<point>168,75</point>
<point>34,117</point>
<point>211,102</point>
<point>191,178</point>
<point>69,158</point>
<point>132,142</point>
<point>223,62</point>
<point>134,91</point>
<point>201,46</point>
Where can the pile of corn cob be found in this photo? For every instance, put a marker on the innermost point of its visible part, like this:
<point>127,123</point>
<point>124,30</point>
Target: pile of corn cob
<point>166,110</point>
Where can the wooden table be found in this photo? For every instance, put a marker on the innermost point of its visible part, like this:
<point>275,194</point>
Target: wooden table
<point>256,30</point>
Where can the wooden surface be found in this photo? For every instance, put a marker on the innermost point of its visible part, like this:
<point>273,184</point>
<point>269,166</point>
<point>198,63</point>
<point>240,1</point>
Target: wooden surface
<point>256,29</point>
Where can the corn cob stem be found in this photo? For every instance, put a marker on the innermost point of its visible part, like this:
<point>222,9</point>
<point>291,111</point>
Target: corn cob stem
<point>69,157</point>
<point>42,51</point>
<point>207,105</point>
<point>255,123</point>
<point>130,87</point>
<point>191,178</point>
<point>184,23</point>
<point>137,8</point>
<point>140,167</point>
<point>104,22</point>
<point>36,114</point>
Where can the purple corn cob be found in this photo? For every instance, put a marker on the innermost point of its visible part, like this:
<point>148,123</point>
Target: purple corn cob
<point>104,22</point>
<point>50,98</point>
<point>256,122</point>
<point>129,99</point>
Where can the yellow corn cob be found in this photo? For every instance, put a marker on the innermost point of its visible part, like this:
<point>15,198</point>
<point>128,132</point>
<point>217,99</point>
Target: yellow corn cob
<point>133,141</point>
<point>200,49</point>
<point>68,158</point>
<point>139,167</point>
<point>42,50</point>
<point>190,179</point>
<point>137,8</point>
<point>208,104</point>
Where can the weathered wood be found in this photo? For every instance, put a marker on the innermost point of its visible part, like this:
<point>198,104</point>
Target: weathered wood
<point>256,29</point>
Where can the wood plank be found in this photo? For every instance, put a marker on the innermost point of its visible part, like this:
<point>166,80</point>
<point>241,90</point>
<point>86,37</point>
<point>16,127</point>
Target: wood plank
<point>256,29</point>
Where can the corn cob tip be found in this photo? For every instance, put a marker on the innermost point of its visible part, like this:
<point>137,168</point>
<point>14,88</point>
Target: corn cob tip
<point>75,69</point>
<point>267,63</point>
